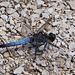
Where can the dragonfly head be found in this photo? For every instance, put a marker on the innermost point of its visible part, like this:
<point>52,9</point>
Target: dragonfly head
<point>52,37</point>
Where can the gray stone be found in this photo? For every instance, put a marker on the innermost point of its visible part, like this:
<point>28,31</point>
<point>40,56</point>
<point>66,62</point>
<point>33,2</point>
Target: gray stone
<point>5,4</point>
<point>50,10</point>
<point>34,16</point>
<point>10,10</point>
<point>57,16</point>
<point>55,23</point>
<point>68,63</point>
<point>20,52</point>
<point>72,46</point>
<point>38,11</point>
<point>17,1</point>
<point>11,21</point>
<point>2,70</point>
<point>2,33</point>
<point>18,70</point>
<point>64,35</point>
<point>71,30</point>
<point>45,15</point>
<point>53,0</point>
<point>40,62</point>
<point>64,20</point>
<point>39,3</point>
<point>72,4</point>
<point>14,15</point>
<point>58,44</point>
<point>42,21</point>
<point>4,17</point>
<point>7,25</point>
<point>63,43</point>
<point>45,72</point>
<point>36,67</point>
<point>7,73</point>
<point>1,61</point>
<point>7,67</point>
<point>2,10</point>
<point>69,17</point>
<point>1,22</point>
<point>70,53</point>
<point>3,28</point>
<point>23,12</point>
<point>74,23</point>
<point>19,29</point>
<point>17,6</point>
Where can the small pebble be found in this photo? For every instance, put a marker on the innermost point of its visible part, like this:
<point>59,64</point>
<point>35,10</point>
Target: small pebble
<point>72,46</point>
<point>39,3</point>
<point>4,17</point>
<point>6,54</point>
<point>10,10</point>
<point>58,44</point>
<point>55,23</point>
<point>72,4</point>
<point>18,70</point>
<point>44,72</point>
<point>5,4</point>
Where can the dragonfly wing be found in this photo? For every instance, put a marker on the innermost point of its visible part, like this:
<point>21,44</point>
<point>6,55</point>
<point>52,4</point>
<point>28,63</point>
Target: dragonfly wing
<point>44,25</point>
<point>25,31</point>
<point>24,41</point>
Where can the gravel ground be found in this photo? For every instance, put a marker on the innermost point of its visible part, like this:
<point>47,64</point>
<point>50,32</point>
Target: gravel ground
<point>19,18</point>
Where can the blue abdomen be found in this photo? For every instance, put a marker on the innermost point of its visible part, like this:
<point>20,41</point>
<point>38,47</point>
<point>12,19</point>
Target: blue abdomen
<point>25,41</point>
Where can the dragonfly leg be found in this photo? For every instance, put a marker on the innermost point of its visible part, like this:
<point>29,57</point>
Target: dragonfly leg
<point>45,47</point>
<point>54,45</point>
<point>37,49</point>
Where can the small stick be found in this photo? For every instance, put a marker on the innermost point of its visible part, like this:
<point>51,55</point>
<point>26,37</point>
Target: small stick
<point>6,47</point>
<point>25,1</point>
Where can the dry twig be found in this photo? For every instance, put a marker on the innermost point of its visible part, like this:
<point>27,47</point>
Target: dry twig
<point>6,47</point>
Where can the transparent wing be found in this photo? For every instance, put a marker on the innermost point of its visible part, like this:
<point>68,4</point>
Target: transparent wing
<point>28,29</point>
<point>44,25</point>
<point>25,31</point>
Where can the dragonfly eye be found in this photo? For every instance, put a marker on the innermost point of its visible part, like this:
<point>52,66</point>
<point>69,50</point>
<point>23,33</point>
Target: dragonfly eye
<point>52,37</point>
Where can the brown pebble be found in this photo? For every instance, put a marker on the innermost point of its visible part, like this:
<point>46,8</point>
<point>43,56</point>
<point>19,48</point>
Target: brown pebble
<point>6,54</point>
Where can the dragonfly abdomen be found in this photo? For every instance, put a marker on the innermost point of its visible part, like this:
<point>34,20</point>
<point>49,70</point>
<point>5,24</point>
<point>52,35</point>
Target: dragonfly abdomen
<point>25,41</point>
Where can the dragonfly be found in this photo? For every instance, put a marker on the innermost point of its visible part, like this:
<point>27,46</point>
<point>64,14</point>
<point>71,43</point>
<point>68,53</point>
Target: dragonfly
<point>36,40</point>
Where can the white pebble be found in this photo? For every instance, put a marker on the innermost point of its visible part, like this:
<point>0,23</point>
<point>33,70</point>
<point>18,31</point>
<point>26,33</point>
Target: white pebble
<point>63,43</point>
<point>58,44</point>
<point>23,12</point>
<point>17,6</point>
<point>1,22</point>
<point>55,23</point>
<point>45,15</point>
<point>4,17</point>
<point>14,15</point>
<point>39,3</point>
<point>42,21</point>
<point>18,70</point>
<point>50,10</point>
<point>57,16</point>
<point>44,72</point>
<point>1,61</point>
<point>10,10</point>
<point>72,46</point>
<point>5,4</point>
